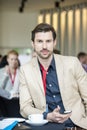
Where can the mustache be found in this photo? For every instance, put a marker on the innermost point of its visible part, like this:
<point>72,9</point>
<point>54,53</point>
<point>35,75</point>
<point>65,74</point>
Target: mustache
<point>44,50</point>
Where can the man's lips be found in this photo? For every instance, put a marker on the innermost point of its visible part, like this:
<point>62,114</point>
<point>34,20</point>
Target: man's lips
<point>44,51</point>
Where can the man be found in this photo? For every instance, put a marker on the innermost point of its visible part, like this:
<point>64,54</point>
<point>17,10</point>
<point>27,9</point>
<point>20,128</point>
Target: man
<point>51,83</point>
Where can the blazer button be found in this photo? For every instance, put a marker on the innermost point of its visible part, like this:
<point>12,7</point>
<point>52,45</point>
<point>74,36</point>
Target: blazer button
<point>43,107</point>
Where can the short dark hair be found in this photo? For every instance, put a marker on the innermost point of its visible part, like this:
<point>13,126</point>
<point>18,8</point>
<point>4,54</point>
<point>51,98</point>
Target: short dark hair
<point>56,51</point>
<point>43,27</point>
<point>81,54</point>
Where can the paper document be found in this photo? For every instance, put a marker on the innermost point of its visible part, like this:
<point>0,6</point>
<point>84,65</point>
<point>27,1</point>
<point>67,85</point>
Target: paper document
<point>7,124</point>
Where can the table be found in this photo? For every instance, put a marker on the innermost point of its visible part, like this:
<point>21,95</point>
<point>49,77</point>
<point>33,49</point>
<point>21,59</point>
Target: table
<point>48,126</point>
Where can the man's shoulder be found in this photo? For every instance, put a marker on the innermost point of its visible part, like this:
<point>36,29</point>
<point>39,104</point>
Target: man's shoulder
<point>65,58</point>
<point>30,63</point>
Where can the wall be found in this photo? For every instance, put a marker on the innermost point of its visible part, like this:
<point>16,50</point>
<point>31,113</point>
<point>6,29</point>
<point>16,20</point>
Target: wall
<point>15,27</point>
<point>70,24</point>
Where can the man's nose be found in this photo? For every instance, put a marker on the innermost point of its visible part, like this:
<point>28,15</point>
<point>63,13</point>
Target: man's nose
<point>44,45</point>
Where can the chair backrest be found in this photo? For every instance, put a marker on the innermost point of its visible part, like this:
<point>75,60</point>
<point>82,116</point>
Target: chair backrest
<point>10,108</point>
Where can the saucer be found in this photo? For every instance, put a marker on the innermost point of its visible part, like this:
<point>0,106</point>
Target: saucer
<point>36,123</point>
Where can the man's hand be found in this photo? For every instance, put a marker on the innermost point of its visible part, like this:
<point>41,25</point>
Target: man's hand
<point>55,116</point>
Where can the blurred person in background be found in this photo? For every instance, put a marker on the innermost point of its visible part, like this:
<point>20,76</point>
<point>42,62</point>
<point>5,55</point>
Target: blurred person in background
<point>56,51</point>
<point>86,58</point>
<point>3,61</point>
<point>82,56</point>
<point>0,58</point>
<point>9,81</point>
<point>9,85</point>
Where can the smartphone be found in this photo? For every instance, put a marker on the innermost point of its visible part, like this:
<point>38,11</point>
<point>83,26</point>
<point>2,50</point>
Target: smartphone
<point>67,112</point>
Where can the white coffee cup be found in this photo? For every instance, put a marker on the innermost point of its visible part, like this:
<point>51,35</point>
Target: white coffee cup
<point>36,118</point>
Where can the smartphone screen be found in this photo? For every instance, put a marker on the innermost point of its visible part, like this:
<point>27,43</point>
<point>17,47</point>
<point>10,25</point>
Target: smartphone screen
<point>67,111</point>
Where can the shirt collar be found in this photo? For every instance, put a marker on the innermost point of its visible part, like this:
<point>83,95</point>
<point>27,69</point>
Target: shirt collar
<point>52,65</point>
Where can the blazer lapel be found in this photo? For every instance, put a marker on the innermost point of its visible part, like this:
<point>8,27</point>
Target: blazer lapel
<point>60,72</point>
<point>38,74</point>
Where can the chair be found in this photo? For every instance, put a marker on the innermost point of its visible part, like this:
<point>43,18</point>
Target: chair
<point>10,108</point>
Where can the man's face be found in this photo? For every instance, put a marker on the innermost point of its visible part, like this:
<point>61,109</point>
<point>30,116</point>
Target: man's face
<point>12,60</point>
<point>44,44</point>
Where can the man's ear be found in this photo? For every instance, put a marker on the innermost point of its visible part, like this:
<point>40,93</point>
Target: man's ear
<point>32,43</point>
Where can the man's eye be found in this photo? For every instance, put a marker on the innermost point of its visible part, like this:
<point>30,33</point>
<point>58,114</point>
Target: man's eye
<point>39,41</point>
<point>48,41</point>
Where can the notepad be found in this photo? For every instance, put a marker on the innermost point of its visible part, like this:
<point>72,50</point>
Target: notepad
<point>7,124</point>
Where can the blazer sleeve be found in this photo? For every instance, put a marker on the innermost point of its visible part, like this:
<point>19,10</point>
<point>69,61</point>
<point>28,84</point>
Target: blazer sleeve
<point>81,77</point>
<point>26,104</point>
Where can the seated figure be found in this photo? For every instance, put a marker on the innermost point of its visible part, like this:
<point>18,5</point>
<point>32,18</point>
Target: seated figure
<point>82,56</point>
<point>9,81</point>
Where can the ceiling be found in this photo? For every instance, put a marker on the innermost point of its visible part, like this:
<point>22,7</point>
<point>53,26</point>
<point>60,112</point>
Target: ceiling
<point>36,5</point>
<point>45,4</point>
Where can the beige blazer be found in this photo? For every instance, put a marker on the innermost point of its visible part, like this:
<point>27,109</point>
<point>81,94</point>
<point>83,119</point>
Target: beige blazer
<point>73,88</point>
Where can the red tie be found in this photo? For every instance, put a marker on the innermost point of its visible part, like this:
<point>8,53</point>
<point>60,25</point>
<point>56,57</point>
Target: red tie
<point>44,72</point>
